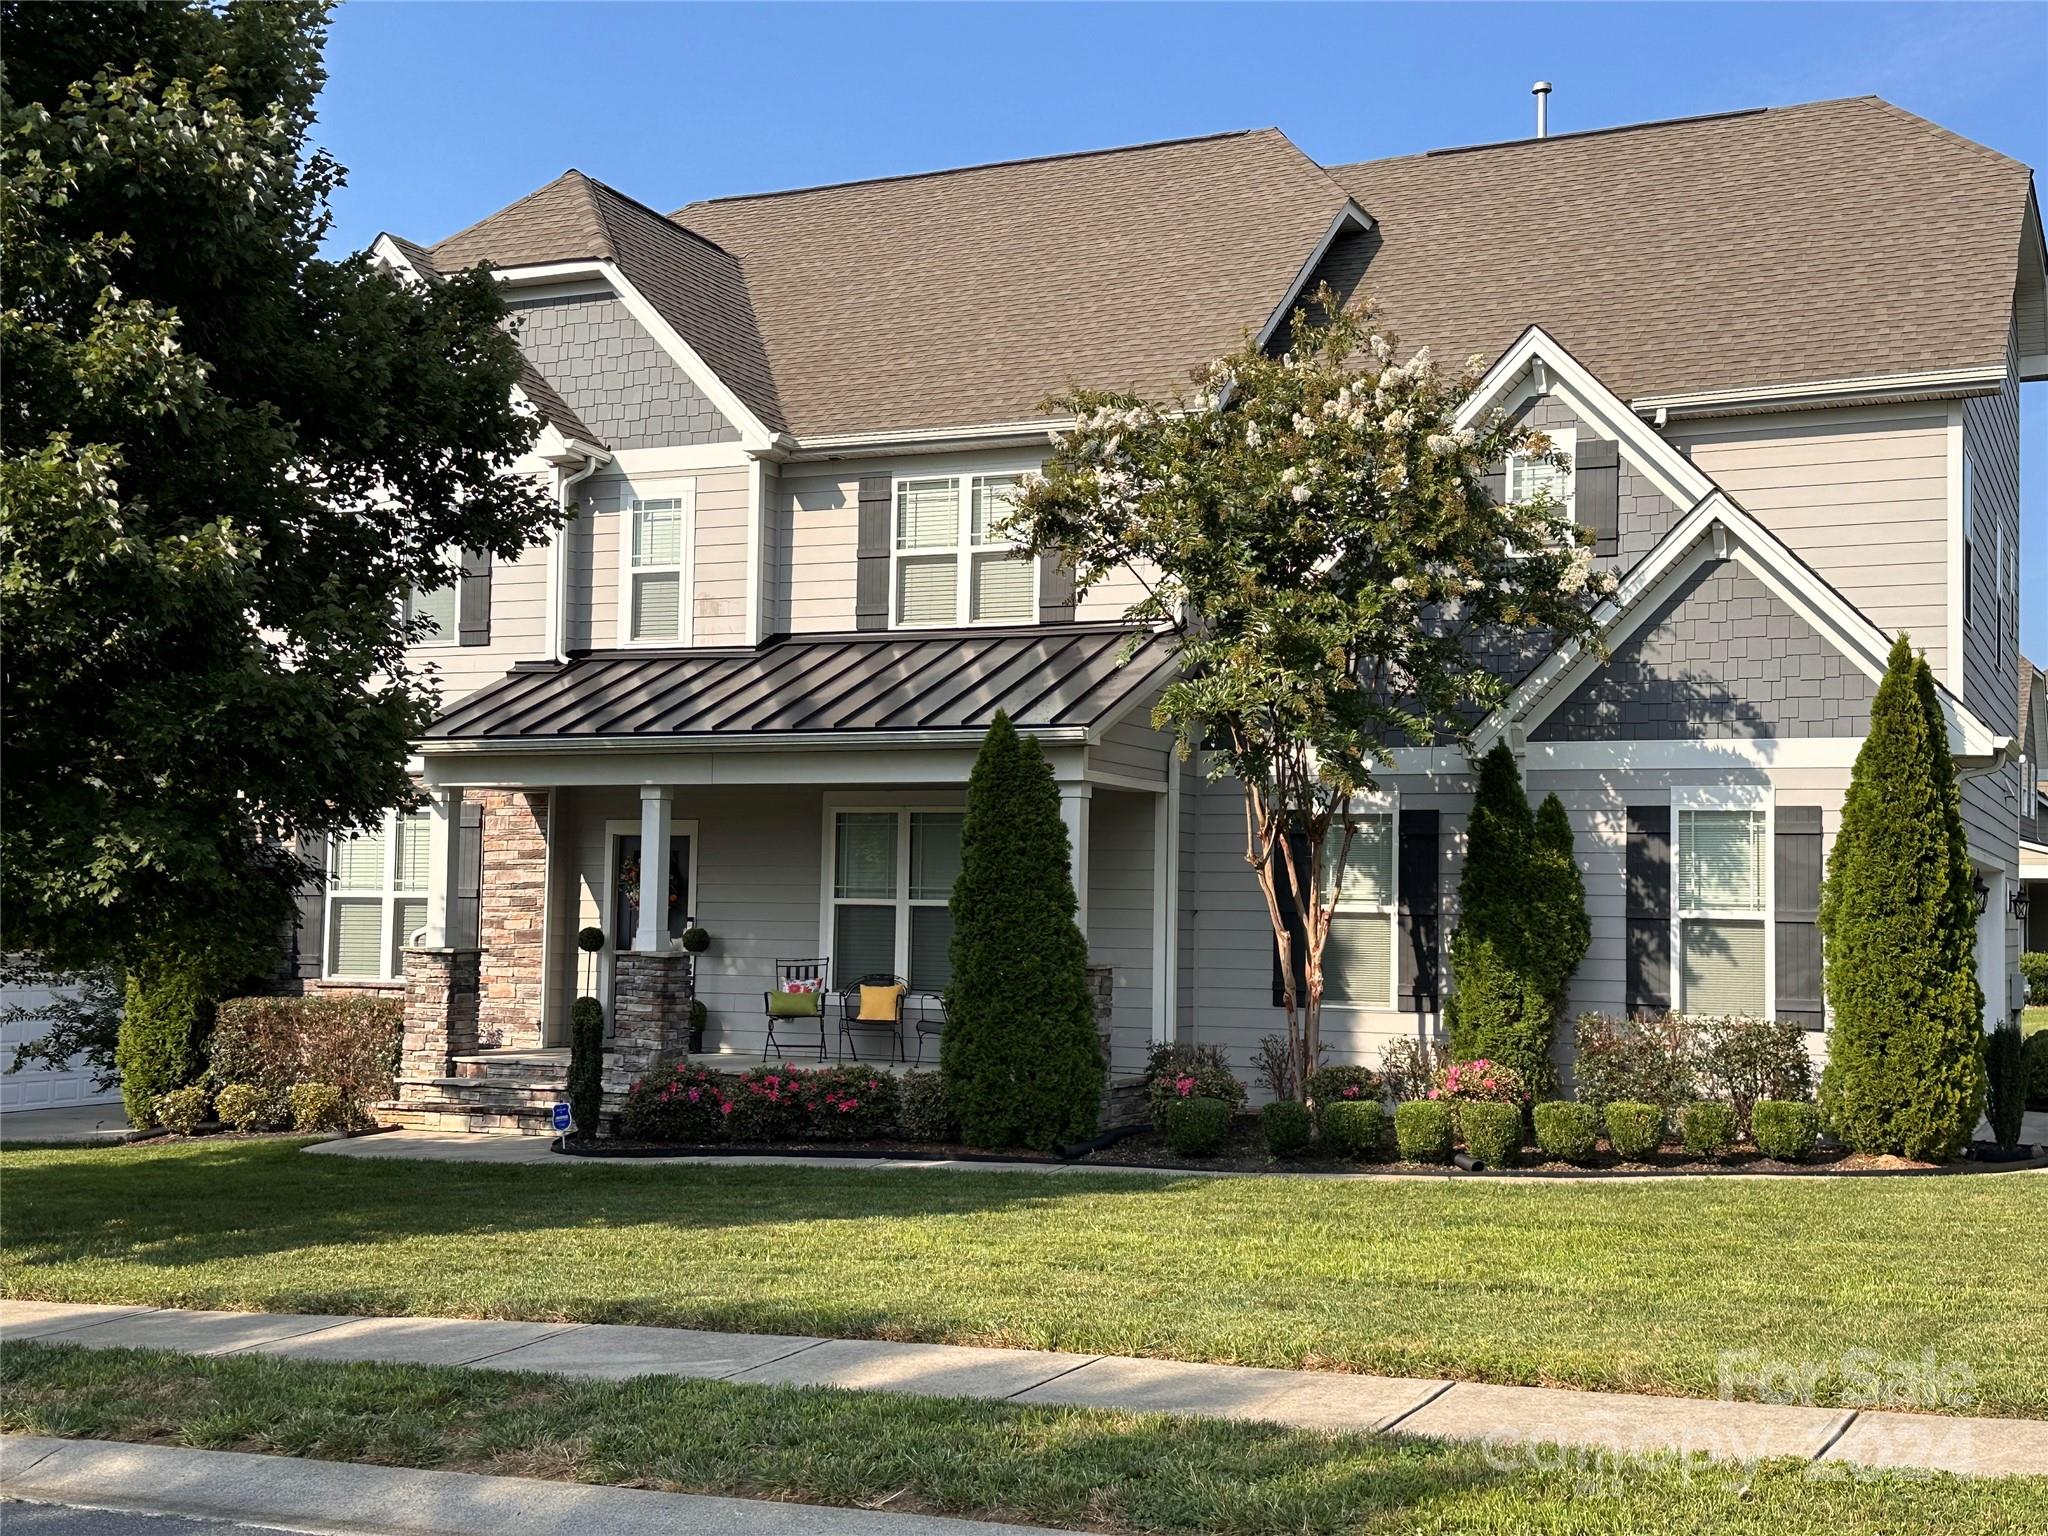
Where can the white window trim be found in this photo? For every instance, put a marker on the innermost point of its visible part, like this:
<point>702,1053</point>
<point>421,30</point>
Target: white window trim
<point>1387,803</point>
<point>635,494</point>
<point>450,556</point>
<point>613,831</point>
<point>902,807</point>
<point>1725,797</point>
<point>387,895</point>
<point>1566,441</point>
<point>964,550</point>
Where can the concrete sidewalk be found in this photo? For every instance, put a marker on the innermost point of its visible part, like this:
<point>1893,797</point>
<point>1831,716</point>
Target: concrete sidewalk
<point>335,1496</point>
<point>1612,1422</point>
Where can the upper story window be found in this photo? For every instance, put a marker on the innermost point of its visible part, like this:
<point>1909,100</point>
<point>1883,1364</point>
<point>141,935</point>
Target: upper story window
<point>437,607</point>
<point>376,898</point>
<point>950,566</point>
<point>1723,911</point>
<point>654,586</point>
<point>1358,961</point>
<point>1529,477</point>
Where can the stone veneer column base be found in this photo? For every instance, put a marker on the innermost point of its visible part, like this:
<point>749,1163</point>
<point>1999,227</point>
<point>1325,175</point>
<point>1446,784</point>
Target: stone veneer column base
<point>440,1015</point>
<point>651,996</point>
<point>512,918</point>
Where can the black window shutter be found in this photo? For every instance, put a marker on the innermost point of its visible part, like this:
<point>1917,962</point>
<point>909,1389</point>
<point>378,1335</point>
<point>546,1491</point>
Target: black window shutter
<point>1649,908</point>
<point>1421,919</point>
<point>1596,493</point>
<point>1797,893</point>
<point>871,584</point>
<point>311,938</point>
<point>465,907</point>
<point>473,605</point>
<point>1055,590</point>
<point>1297,930</point>
<point>1496,482</point>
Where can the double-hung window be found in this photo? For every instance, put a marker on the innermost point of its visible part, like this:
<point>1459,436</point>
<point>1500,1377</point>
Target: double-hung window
<point>436,607</point>
<point>1529,477</point>
<point>1358,961</point>
<point>892,877</point>
<point>376,898</point>
<point>654,582</point>
<point>951,565</point>
<point>1723,910</point>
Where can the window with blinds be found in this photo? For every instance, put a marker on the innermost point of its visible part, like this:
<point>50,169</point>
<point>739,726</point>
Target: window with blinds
<point>892,880</point>
<point>1528,478</point>
<point>377,898</point>
<point>435,608</point>
<point>1358,962</point>
<point>950,569</point>
<point>1723,906</point>
<point>655,569</point>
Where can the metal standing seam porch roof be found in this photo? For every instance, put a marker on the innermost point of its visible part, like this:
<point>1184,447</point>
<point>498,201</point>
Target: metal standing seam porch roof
<point>1065,678</point>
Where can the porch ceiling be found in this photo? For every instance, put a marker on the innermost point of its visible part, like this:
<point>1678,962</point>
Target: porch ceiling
<point>881,685</point>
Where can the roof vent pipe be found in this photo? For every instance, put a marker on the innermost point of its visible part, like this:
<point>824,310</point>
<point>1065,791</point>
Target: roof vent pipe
<point>1541,91</point>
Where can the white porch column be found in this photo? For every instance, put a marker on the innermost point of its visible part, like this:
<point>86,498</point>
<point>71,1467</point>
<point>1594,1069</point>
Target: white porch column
<point>1074,812</point>
<point>1166,904</point>
<point>444,856</point>
<point>656,800</point>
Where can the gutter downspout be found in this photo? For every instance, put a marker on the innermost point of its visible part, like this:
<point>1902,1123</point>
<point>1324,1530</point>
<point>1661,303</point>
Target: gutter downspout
<point>558,564</point>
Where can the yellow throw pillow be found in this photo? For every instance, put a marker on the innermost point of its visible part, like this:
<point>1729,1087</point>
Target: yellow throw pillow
<point>881,1004</point>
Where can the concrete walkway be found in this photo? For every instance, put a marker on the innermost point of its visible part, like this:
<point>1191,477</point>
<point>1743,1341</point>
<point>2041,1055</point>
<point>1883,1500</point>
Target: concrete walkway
<point>462,1147</point>
<point>339,1496</point>
<point>1323,1400</point>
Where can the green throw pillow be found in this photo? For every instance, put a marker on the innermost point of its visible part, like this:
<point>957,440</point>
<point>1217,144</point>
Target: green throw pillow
<point>794,1005</point>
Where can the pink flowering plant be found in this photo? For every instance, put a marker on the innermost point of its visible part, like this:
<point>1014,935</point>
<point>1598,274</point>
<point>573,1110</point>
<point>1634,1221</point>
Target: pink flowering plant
<point>853,1103</point>
<point>1343,1082</point>
<point>1484,1081</point>
<point>684,1104</point>
<point>774,1103</point>
<point>1177,1072</point>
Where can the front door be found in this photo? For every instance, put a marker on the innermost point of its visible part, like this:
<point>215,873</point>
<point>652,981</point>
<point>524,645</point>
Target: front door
<point>625,893</point>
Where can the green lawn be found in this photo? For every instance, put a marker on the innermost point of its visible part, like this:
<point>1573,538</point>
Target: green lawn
<point>1070,1467</point>
<point>1624,1286</point>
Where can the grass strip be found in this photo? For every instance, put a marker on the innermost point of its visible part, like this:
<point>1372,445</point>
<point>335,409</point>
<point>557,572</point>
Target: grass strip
<point>1084,1469</point>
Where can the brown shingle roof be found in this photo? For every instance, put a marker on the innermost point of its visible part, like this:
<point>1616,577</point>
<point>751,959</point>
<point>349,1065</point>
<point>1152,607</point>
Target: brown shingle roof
<point>967,296</point>
<point>1836,240</point>
<point>554,410</point>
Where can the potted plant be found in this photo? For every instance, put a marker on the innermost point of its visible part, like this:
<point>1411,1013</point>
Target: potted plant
<point>695,939</point>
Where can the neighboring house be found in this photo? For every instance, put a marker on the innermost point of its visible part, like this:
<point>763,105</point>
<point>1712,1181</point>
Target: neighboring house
<point>1783,347</point>
<point>2033,868</point>
<point>41,1087</point>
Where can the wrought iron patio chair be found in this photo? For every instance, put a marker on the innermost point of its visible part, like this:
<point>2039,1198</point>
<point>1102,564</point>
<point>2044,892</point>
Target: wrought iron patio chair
<point>852,1016</point>
<point>810,974</point>
<point>931,1020</point>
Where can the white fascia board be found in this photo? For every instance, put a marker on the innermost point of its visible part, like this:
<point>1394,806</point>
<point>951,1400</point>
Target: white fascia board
<point>1350,216</point>
<point>1823,391</point>
<point>753,432</point>
<point>988,434</point>
<point>1682,482</point>
<point>385,252</point>
<point>826,763</point>
<point>554,446</point>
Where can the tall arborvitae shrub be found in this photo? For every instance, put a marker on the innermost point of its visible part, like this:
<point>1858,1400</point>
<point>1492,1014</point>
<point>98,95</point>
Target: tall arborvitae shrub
<point>1560,932</point>
<point>165,1018</point>
<point>586,1064</point>
<point>1021,1061</point>
<point>1499,1008</point>
<point>1905,1073</point>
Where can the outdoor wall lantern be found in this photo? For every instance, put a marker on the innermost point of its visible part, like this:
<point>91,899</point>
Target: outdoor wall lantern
<point>1981,892</point>
<point>2018,902</point>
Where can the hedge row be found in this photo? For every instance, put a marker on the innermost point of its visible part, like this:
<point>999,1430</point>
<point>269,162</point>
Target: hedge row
<point>694,1105</point>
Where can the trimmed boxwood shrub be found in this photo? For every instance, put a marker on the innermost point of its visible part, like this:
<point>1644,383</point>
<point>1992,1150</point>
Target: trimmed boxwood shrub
<point>586,1064</point>
<point>317,1107</point>
<point>247,1107</point>
<point>1567,1131</point>
<point>1708,1128</point>
<point>1287,1128</point>
<point>349,1041</point>
<point>1785,1130</point>
<point>1354,1129</point>
<point>1196,1127</point>
<point>851,1103</point>
<point>1493,1133</point>
<point>922,1111</point>
<point>1635,1131</point>
<point>682,1103</point>
<point>2034,966</point>
<point>182,1110</point>
<point>1345,1082</point>
<point>1423,1131</point>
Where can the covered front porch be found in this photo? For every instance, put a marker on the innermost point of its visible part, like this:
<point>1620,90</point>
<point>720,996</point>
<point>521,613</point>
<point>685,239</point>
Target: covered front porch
<point>838,849</point>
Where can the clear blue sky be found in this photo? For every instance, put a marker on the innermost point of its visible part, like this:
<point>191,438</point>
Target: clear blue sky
<point>443,112</point>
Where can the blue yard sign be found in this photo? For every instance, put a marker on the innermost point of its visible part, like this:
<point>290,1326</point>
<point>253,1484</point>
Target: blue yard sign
<point>561,1116</point>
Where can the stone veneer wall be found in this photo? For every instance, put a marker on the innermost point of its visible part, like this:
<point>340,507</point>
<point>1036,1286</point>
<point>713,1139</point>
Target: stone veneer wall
<point>440,1012</point>
<point>651,996</point>
<point>512,919</point>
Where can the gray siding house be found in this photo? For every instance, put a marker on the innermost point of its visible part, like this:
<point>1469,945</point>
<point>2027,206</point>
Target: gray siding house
<point>1783,347</point>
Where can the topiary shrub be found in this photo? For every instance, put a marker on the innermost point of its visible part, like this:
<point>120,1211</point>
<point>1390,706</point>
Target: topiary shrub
<point>1197,1127</point>
<point>317,1107</point>
<point>1634,1131</point>
<point>1423,1131</point>
<point>165,1016</point>
<point>1567,1131</point>
<point>852,1103</point>
<point>1343,1083</point>
<point>1619,1060</point>
<point>1354,1129</point>
<point>349,1041</point>
<point>1176,1072</point>
<point>1022,1062</point>
<point>1287,1128</point>
<point>683,1103</point>
<point>182,1110</point>
<point>1905,1070</point>
<point>247,1107</point>
<point>1492,1132</point>
<point>2005,1072</point>
<point>586,1064</point>
<point>1707,1129</point>
<point>1785,1131</point>
<point>922,1110</point>
<point>1744,1060</point>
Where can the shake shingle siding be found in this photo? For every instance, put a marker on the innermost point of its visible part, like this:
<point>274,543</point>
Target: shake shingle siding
<point>615,376</point>
<point>1991,437</point>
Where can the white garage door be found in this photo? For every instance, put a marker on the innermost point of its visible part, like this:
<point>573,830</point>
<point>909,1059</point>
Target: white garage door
<point>39,1087</point>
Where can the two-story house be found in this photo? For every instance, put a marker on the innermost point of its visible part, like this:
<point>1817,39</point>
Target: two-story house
<point>1784,349</point>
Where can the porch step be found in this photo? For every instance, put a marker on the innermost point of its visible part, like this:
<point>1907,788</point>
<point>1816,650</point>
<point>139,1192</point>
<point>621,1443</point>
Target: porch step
<point>454,1115</point>
<point>483,1092</point>
<point>513,1066</point>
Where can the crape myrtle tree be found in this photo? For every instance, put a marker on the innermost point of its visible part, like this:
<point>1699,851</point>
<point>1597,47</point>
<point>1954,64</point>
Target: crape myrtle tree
<point>1905,1071</point>
<point>226,459</point>
<point>1315,538</point>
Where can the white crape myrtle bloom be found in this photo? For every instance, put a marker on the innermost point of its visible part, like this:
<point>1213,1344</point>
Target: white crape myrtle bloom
<point>1398,421</point>
<point>1399,583</point>
<point>1381,348</point>
<point>1289,475</point>
<point>1572,578</point>
<point>1420,364</point>
<point>1253,436</point>
<point>1608,582</point>
<point>1304,425</point>
<point>1302,493</point>
<point>1442,444</point>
